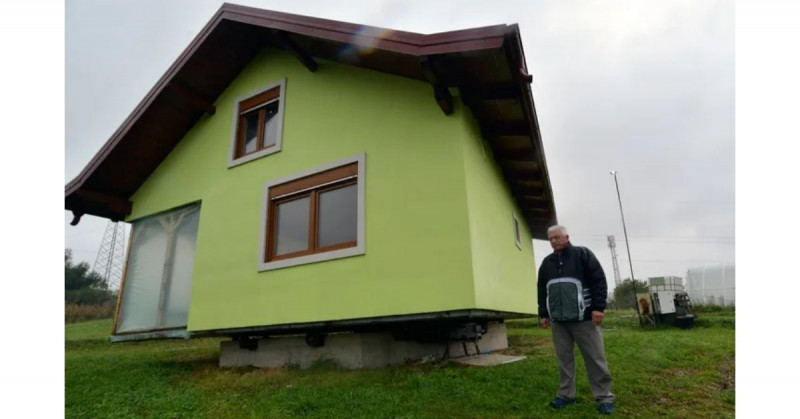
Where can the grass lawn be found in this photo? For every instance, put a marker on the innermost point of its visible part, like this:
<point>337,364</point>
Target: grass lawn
<point>663,372</point>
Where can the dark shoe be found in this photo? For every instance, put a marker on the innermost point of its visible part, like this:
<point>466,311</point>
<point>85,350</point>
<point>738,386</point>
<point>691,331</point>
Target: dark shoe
<point>560,403</point>
<point>606,408</point>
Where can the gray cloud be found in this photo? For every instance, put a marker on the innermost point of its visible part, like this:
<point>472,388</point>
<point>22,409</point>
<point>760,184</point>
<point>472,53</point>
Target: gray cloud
<point>645,88</point>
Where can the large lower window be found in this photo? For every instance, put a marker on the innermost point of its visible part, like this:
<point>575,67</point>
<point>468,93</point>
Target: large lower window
<point>315,215</point>
<point>258,124</point>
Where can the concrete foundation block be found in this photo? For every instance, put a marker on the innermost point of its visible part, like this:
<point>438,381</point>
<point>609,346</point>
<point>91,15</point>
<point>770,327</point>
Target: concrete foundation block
<point>495,339</point>
<point>356,350</point>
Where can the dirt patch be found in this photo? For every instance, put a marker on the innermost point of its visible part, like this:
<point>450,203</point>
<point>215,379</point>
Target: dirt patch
<point>528,345</point>
<point>727,374</point>
<point>678,372</point>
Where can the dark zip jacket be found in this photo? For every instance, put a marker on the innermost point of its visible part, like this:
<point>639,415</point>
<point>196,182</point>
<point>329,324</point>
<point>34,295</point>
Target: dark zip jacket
<point>574,262</point>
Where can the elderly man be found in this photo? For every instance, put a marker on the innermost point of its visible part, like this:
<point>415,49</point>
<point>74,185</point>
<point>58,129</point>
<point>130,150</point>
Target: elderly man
<point>572,298</point>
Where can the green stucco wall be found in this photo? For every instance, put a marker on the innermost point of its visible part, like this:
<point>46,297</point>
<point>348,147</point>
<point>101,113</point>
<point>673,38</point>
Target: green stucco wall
<point>417,227</point>
<point>504,274</point>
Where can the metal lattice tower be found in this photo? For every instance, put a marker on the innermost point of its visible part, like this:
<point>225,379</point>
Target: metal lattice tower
<point>612,244</point>
<point>111,256</point>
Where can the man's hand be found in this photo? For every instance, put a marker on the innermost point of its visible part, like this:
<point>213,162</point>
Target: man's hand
<point>545,322</point>
<point>597,317</point>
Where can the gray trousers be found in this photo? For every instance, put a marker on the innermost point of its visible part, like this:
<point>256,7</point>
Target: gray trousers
<point>590,342</point>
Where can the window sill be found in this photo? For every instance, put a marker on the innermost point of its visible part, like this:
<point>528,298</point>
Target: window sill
<point>253,156</point>
<point>179,333</point>
<point>314,258</point>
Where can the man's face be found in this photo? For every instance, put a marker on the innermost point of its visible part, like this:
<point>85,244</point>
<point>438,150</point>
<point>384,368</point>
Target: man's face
<point>558,240</point>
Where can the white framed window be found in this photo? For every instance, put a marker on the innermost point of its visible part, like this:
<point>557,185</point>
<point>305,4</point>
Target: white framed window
<point>257,124</point>
<point>313,215</point>
<point>517,234</point>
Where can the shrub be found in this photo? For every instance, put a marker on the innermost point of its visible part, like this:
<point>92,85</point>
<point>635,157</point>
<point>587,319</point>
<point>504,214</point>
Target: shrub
<point>719,321</point>
<point>81,312</point>
<point>89,296</point>
<point>712,308</point>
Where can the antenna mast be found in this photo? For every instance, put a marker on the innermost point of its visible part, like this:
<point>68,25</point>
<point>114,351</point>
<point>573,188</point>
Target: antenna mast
<point>612,244</point>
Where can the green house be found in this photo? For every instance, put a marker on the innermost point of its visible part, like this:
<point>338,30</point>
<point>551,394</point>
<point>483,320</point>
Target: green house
<point>290,174</point>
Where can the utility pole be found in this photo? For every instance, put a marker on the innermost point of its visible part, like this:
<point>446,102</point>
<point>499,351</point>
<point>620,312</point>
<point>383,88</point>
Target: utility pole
<point>612,244</point>
<point>628,246</point>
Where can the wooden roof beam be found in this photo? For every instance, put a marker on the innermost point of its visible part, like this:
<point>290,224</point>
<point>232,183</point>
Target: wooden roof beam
<point>115,204</point>
<point>192,98</point>
<point>539,220</point>
<point>524,173</point>
<point>533,194</point>
<point>76,218</point>
<point>474,93</point>
<point>440,91</point>
<point>523,74</point>
<point>510,156</point>
<point>291,46</point>
<point>520,128</point>
<point>527,183</point>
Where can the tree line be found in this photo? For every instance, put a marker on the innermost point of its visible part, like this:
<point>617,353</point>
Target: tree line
<point>86,293</point>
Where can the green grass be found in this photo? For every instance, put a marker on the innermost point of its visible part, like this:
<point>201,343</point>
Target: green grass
<point>660,372</point>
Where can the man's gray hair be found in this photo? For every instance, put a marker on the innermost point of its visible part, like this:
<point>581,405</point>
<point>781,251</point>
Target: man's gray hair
<point>557,228</point>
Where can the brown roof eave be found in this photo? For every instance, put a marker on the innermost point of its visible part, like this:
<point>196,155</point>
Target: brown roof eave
<point>370,36</point>
<point>516,53</point>
<point>82,202</point>
<point>320,28</point>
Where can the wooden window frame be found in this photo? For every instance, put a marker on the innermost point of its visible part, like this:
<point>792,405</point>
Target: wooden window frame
<point>311,183</point>
<point>310,186</point>
<point>517,230</point>
<point>257,101</point>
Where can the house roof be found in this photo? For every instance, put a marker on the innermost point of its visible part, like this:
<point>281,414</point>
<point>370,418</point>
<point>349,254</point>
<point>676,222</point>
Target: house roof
<point>486,65</point>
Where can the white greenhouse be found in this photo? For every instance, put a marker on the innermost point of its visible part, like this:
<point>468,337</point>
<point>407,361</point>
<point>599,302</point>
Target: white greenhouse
<point>714,285</point>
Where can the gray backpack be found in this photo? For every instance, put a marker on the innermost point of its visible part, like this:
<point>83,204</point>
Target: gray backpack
<point>565,299</point>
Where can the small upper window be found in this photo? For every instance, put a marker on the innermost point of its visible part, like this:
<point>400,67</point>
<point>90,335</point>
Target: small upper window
<point>517,236</point>
<point>258,124</point>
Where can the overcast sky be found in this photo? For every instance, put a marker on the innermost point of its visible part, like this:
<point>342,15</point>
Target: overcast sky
<point>644,88</point>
